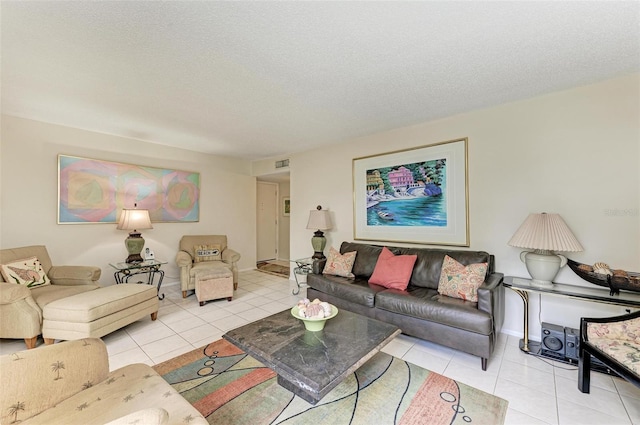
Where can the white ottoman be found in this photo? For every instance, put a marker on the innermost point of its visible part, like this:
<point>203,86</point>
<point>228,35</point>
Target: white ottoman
<point>97,313</point>
<point>213,284</point>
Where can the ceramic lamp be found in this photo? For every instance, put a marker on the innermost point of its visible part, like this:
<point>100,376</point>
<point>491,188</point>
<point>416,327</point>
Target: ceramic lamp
<point>321,220</point>
<point>544,233</point>
<point>134,220</point>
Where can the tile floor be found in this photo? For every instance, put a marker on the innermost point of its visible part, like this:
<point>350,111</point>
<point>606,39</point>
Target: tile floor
<point>539,391</point>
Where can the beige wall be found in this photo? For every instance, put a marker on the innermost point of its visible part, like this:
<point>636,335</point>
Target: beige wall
<point>29,196</point>
<point>573,152</point>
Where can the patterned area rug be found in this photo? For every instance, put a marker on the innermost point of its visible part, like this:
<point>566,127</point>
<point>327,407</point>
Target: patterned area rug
<point>273,268</point>
<point>230,387</point>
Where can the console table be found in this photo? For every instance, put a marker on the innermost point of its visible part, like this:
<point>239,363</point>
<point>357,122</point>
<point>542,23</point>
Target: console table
<point>124,271</point>
<point>523,287</point>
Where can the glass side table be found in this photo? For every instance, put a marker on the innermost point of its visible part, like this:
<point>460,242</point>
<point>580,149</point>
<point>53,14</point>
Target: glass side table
<point>124,271</point>
<point>304,266</point>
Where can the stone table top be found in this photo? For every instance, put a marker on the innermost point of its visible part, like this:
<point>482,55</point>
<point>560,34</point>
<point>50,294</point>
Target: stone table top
<point>310,364</point>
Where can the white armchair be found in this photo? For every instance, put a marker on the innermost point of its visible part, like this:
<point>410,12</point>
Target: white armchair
<point>21,306</point>
<point>187,260</point>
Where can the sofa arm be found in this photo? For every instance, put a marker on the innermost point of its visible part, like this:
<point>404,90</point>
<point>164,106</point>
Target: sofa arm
<point>43,377</point>
<point>183,259</point>
<point>230,256</point>
<point>74,275</point>
<point>11,292</point>
<point>491,298</point>
<point>318,266</point>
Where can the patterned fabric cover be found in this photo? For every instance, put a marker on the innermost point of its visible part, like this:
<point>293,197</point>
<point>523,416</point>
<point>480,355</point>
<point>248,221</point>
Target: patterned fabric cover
<point>210,252</point>
<point>620,340</point>
<point>70,380</point>
<point>27,271</point>
<point>340,264</point>
<point>459,281</point>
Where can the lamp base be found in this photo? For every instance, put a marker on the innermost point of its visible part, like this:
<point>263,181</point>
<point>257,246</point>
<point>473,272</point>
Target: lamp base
<point>134,258</point>
<point>134,244</point>
<point>543,266</point>
<point>318,242</point>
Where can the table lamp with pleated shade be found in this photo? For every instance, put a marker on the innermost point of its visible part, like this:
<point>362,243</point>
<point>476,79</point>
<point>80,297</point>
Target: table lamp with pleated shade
<point>544,233</point>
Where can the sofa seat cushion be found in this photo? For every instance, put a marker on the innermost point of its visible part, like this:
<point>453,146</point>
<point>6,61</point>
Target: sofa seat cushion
<point>357,291</point>
<point>208,265</point>
<point>126,390</point>
<point>88,307</point>
<point>427,304</point>
<point>625,352</point>
<point>619,340</point>
<point>44,295</point>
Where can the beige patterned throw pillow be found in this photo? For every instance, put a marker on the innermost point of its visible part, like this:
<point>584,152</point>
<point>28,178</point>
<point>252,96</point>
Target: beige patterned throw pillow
<point>207,253</point>
<point>27,272</point>
<point>460,281</point>
<point>340,264</point>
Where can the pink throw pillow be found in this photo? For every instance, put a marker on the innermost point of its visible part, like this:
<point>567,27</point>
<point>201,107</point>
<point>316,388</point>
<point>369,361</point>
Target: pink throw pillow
<point>459,281</point>
<point>340,265</point>
<point>393,271</point>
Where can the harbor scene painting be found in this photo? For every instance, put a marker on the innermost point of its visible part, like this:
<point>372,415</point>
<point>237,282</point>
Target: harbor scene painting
<point>416,195</point>
<point>408,195</point>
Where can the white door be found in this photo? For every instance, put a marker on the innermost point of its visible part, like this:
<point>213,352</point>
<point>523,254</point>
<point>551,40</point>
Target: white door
<point>267,217</point>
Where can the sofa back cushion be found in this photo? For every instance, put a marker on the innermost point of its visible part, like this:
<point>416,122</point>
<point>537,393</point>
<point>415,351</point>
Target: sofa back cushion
<point>428,266</point>
<point>426,272</point>
<point>366,257</point>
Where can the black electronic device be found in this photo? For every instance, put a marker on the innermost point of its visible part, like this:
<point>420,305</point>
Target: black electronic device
<point>572,343</point>
<point>552,343</point>
<point>572,348</point>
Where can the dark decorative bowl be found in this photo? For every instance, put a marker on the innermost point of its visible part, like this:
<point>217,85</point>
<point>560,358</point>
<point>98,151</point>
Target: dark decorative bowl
<point>614,283</point>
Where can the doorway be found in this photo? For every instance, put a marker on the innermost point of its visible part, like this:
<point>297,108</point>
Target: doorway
<point>267,221</point>
<point>273,218</point>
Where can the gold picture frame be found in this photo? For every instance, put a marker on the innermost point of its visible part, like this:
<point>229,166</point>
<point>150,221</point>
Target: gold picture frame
<point>418,195</point>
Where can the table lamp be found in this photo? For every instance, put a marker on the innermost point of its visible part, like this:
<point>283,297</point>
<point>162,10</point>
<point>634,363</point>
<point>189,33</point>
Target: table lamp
<point>134,220</point>
<point>321,220</point>
<point>544,233</point>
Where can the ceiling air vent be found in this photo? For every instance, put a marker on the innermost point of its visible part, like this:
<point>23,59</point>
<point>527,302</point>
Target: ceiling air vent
<point>282,163</point>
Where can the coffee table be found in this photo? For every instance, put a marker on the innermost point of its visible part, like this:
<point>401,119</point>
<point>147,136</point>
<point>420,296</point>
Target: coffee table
<point>310,364</point>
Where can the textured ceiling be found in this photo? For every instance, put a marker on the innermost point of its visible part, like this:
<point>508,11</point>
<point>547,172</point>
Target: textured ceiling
<point>262,79</point>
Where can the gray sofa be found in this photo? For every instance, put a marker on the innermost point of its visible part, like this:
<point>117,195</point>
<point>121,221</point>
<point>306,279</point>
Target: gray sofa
<point>471,327</point>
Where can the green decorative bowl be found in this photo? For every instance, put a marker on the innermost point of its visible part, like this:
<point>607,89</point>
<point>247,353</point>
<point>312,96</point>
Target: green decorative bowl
<point>314,325</point>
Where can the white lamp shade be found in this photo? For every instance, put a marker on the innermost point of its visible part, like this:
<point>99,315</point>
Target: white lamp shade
<point>319,219</point>
<point>134,219</point>
<point>545,232</point>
